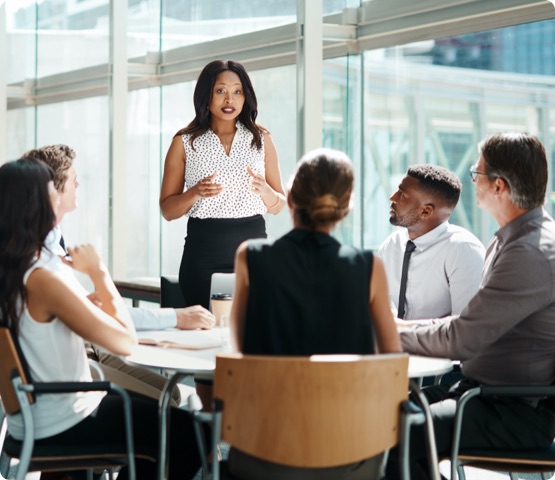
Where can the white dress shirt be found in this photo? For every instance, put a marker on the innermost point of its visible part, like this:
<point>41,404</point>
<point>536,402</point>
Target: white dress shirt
<point>143,318</point>
<point>444,271</point>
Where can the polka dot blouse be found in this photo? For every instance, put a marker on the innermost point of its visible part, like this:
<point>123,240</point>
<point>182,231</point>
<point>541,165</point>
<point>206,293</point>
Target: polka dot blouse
<point>237,200</point>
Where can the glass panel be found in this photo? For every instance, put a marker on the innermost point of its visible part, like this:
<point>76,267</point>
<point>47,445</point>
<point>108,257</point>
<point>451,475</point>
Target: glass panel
<point>71,35</point>
<point>433,101</point>
<point>277,111</point>
<point>21,131</point>
<point>341,130</point>
<point>337,6</point>
<point>177,112</point>
<point>143,24</point>
<point>83,126</point>
<point>21,48</point>
<point>143,188</point>
<point>187,22</point>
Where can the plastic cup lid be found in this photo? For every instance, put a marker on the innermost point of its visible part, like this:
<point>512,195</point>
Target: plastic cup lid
<point>222,296</point>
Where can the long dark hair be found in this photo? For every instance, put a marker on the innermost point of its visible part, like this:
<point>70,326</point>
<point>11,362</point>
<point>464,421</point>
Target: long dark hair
<point>26,217</point>
<point>203,96</point>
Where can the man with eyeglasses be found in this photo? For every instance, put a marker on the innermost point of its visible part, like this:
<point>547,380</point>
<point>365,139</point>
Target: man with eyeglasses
<point>506,334</point>
<point>443,270</point>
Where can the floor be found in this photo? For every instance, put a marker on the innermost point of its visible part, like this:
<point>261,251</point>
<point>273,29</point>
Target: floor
<point>471,474</point>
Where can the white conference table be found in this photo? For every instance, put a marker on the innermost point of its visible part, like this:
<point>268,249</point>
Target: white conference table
<point>201,361</point>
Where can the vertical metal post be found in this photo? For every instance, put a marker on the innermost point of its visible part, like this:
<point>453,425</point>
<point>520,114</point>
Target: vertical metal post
<point>309,75</point>
<point>118,138</point>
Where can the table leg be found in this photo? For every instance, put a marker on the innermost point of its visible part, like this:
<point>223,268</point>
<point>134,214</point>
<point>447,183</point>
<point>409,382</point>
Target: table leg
<point>429,426</point>
<point>164,418</point>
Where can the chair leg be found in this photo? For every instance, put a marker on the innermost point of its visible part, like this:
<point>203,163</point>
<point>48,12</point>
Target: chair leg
<point>460,472</point>
<point>513,476</point>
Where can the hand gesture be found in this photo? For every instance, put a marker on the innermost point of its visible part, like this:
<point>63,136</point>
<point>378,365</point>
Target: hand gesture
<point>84,259</point>
<point>207,188</point>
<point>93,297</point>
<point>258,183</point>
<point>193,317</point>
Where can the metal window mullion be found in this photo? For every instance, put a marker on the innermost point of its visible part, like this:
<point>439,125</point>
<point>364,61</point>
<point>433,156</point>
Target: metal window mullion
<point>309,75</point>
<point>118,138</point>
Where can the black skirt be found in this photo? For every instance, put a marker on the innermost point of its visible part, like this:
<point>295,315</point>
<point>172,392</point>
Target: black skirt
<point>210,247</point>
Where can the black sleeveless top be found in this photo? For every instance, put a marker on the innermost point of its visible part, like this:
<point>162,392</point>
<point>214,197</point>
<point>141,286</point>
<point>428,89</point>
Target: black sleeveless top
<point>308,294</point>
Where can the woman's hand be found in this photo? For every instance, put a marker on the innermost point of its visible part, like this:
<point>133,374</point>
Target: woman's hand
<point>207,188</point>
<point>84,259</point>
<point>260,187</point>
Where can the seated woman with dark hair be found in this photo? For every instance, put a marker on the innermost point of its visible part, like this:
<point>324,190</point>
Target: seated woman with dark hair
<point>51,321</point>
<point>306,293</point>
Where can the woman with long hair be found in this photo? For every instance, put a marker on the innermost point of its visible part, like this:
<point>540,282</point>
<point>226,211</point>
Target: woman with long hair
<point>50,320</point>
<point>222,172</point>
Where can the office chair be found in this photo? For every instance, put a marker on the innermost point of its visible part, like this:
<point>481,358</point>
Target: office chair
<point>170,292</point>
<point>308,412</point>
<point>510,460</point>
<point>17,394</point>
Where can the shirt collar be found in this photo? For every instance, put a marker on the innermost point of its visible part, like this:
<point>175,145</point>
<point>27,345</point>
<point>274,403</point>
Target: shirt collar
<point>428,238</point>
<point>512,228</point>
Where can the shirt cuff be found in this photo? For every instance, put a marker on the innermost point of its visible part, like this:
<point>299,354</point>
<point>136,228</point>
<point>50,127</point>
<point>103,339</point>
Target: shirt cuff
<point>157,319</point>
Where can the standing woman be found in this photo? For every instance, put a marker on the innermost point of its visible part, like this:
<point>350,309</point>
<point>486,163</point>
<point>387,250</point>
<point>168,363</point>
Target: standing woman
<point>222,172</point>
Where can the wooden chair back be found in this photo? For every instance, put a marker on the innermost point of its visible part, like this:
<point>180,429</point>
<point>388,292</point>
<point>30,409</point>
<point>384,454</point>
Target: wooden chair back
<point>10,363</point>
<point>319,411</point>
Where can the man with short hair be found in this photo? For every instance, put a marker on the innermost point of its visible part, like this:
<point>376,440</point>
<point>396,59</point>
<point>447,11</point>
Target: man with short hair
<point>506,334</point>
<point>60,158</point>
<point>445,267</point>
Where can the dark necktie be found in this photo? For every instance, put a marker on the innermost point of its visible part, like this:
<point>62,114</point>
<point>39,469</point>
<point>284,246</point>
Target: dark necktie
<point>404,273</point>
<point>63,243</point>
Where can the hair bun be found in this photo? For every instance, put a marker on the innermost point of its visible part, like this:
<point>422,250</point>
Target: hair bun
<point>324,208</point>
<point>325,201</point>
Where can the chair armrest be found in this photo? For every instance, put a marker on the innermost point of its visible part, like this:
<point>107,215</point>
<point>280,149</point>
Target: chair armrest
<point>518,391</point>
<point>94,365</point>
<point>68,387</point>
<point>490,391</point>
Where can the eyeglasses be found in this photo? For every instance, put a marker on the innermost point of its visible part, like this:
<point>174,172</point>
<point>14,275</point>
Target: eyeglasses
<point>474,173</point>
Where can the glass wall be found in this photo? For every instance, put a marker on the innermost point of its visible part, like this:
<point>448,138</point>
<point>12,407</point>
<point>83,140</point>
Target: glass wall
<point>55,36</point>
<point>21,131</point>
<point>187,22</point>
<point>432,102</point>
<point>143,182</point>
<point>82,125</point>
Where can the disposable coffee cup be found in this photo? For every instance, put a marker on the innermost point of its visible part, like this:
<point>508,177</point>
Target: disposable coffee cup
<point>221,308</point>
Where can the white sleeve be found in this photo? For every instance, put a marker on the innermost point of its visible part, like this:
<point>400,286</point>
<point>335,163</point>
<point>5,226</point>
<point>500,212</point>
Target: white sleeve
<point>157,319</point>
<point>464,270</point>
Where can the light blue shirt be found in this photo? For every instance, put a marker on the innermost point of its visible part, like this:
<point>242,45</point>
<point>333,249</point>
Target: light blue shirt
<point>143,318</point>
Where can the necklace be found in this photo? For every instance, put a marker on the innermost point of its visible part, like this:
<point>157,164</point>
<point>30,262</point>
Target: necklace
<point>226,142</point>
